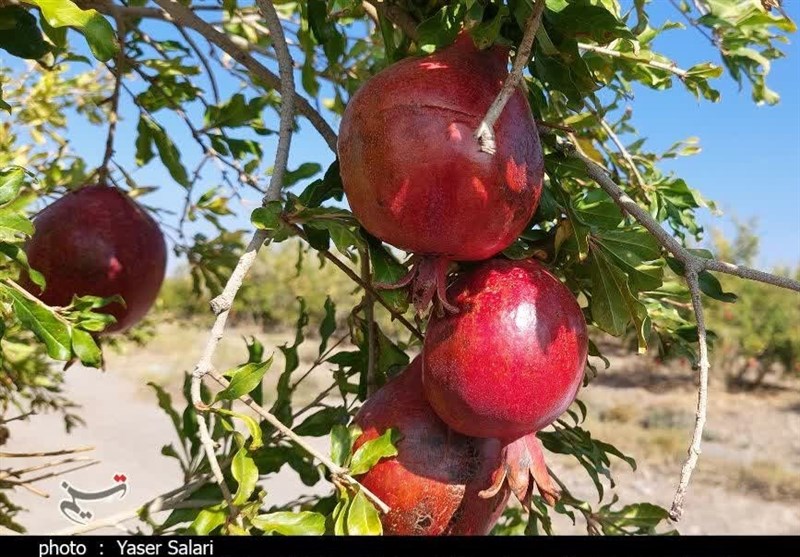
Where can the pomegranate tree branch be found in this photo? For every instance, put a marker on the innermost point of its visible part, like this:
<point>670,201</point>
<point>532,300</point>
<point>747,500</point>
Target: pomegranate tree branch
<point>485,131</point>
<point>221,305</point>
<point>693,265</point>
<point>337,471</point>
<point>702,399</point>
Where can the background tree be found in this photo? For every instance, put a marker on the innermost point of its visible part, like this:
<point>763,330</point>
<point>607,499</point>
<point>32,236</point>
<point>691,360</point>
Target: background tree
<point>198,80</point>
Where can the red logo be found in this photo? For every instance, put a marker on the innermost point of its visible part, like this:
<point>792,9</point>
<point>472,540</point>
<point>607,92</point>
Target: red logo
<point>120,477</point>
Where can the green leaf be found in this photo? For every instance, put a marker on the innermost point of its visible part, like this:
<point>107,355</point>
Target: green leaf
<point>583,19</point>
<point>13,226</point>
<point>321,422</point>
<point>86,348</point>
<point>256,435</point>
<point>386,269</point>
<point>18,255</point>
<point>613,305</point>
<point>342,439</point>
<point>303,523</point>
<point>441,28</point>
<point>711,287</point>
<point>245,472</point>
<point>20,35</point>
<point>635,252</point>
<point>328,325</point>
<point>642,517</point>
<point>368,454</point>
<point>208,520</point>
<point>302,172</point>
<point>268,217</point>
<point>363,518</point>
<point>237,112</point>
<point>11,181</point>
<point>165,403</point>
<point>244,379</point>
<point>151,132</point>
<point>41,321</point>
<point>97,30</point>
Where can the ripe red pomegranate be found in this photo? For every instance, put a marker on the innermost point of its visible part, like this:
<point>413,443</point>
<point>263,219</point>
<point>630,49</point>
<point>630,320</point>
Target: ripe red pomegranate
<point>432,486</point>
<point>414,173</point>
<point>511,361</point>
<point>98,241</point>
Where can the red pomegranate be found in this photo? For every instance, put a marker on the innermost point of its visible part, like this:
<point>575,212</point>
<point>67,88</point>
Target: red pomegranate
<point>98,241</point>
<point>433,484</point>
<point>414,173</point>
<point>511,361</point>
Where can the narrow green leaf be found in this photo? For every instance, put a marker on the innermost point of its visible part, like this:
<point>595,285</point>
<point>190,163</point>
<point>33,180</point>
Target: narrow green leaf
<point>41,321</point>
<point>245,378</point>
<point>165,403</point>
<point>208,520</point>
<point>368,454</point>
<point>303,523</point>
<point>342,439</point>
<point>328,325</point>
<point>86,348</point>
<point>11,181</point>
<point>363,518</point>
<point>321,422</point>
<point>245,472</point>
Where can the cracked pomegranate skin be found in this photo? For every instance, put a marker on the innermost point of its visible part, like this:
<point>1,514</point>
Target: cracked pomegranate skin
<point>432,484</point>
<point>511,361</point>
<point>98,241</point>
<point>414,174</point>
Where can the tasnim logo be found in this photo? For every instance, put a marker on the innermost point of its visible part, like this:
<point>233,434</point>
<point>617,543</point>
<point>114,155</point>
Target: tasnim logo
<point>82,515</point>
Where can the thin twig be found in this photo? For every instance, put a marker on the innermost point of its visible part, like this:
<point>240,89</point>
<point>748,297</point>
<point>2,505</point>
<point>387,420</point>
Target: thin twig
<point>369,314</point>
<point>670,67</point>
<point>203,60</point>
<point>485,130</point>
<point>102,172</point>
<point>336,470</point>
<point>52,474</point>
<point>622,151</point>
<point>182,15</point>
<point>46,453</point>
<point>365,285</point>
<point>20,417</point>
<point>17,473</point>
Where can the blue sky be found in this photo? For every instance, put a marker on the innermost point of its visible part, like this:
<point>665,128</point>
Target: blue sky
<point>749,164</point>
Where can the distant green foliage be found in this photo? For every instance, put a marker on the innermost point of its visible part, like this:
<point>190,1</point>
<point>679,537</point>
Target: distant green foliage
<point>760,333</point>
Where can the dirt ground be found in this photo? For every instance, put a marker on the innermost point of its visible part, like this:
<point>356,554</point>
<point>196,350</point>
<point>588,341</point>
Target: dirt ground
<point>747,482</point>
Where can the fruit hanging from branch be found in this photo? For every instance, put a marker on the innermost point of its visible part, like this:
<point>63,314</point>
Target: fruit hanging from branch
<point>433,485</point>
<point>511,360</point>
<point>98,241</point>
<point>415,176</point>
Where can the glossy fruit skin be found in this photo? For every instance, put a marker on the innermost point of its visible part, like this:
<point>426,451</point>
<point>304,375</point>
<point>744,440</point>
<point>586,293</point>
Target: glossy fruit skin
<point>98,241</point>
<point>511,361</point>
<point>432,485</point>
<point>414,174</point>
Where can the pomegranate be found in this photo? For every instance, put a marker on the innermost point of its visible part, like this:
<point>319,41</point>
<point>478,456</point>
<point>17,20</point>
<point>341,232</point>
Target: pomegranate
<point>433,484</point>
<point>511,360</point>
<point>414,174</point>
<point>98,241</point>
